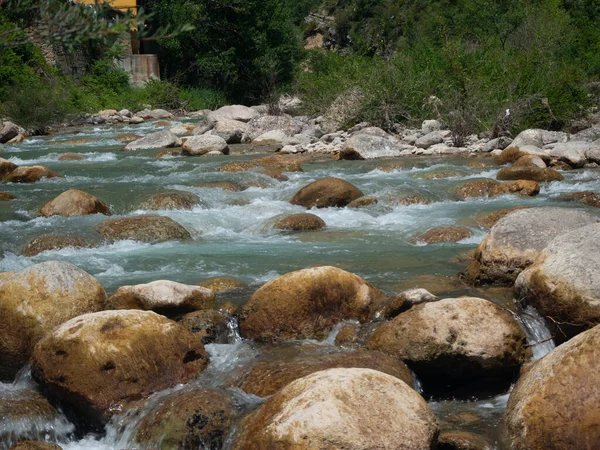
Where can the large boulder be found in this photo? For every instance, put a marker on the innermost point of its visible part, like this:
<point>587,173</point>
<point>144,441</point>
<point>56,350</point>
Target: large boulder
<point>231,131</point>
<point>366,146</point>
<point>8,131</point>
<point>35,445</point>
<point>525,188</point>
<point>190,418</point>
<point>300,222</point>
<point>154,114</point>
<point>159,139</point>
<point>529,173</point>
<point>223,284</point>
<point>74,203</point>
<point>476,188</point>
<point>530,161</point>
<point>354,408</point>
<point>517,239</point>
<point>576,153</point>
<point>202,144</point>
<point>208,325</point>
<point>538,138</point>
<point>170,200</point>
<point>233,112</point>
<point>564,281</point>
<point>97,363</point>
<point>307,304</point>
<point>445,234</point>
<point>266,377</point>
<point>6,167</point>
<point>53,242</point>
<point>164,297</point>
<point>37,299</point>
<point>143,228</point>
<point>462,337</point>
<point>554,404</point>
<point>263,124</point>
<point>326,193</point>
<point>30,174</point>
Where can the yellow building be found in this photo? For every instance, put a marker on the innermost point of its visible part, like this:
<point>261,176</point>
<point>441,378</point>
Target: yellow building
<point>123,5</point>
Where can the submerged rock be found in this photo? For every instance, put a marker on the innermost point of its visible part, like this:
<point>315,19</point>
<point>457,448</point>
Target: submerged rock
<point>143,228</point>
<point>223,284</point>
<point>525,188</point>
<point>53,242</point>
<point>326,193</point>
<point>476,188</point>
<point>587,198</point>
<point>462,440</point>
<point>159,139</point>
<point>37,299</point>
<point>71,157</point>
<point>5,196</point>
<point>362,202</point>
<point>301,222</point>
<point>74,203</point>
<point>170,200</point>
<point>97,363</point>
<point>554,404</point>
<point>164,297</point>
<point>35,445</point>
<point>517,239</point>
<point>532,173</point>
<point>307,303</point>
<point>30,174</point>
<point>341,408</point>
<point>208,325</point>
<point>445,234</point>
<point>6,167</point>
<point>462,337</point>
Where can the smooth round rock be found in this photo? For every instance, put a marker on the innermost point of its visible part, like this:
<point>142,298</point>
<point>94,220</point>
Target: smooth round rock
<point>74,203</point>
<point>326,193</point>
<point>149,228</point>
<point>30,174</point>
<point>476,188</point>
<point>301,222</point>
<point>532,173</point>
<point>208,325</point>
<point>223,284</point>
<point>445,234</point>
<point>46,243</point>
<point>170,200</point>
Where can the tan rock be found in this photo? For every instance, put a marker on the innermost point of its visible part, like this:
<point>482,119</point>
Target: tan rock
<point>208,325</point>
<point>29,174</point>
<point>53,242</point>
<point>300,222</point>
<point>587,198</point>
<point>362,202</point>
<point>35,445</point>
<point>238,167</point>
<point>526,188</point>
<point>71,157</point>
<point>5,196</point>
<point>225,185</point>
<point>530,161</point>
<point>127,137</point>
<point>143,228</point>
<point>532,173</point>
<point>476,188</point>
<point>326,193</point>
<point>445,234</point>
<point>348,335</point>
<point>74,203</point>
<point>170,200</point>
<point>488,220</point>
<point>407,200</point>
<point>462,440</point>
<point>223,284</point>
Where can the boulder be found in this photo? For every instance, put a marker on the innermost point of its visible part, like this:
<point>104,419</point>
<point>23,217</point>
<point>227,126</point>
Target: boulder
<point>445,234</point>
<point>342,408</point>
<point>283,163</point>
<point>532,173</point>
<point>208,325</point>
<point>455,338</point>
<point>263,124</point>
<point>202,144</point>
<point>170,200</point>
<point>407,299</point>
<point>300,222</point>
<point>154,114</point>
<point>29,174</point>
<point>164,297</point>
<point>476,188</point>
<point>159,139</point>
<point>488,220</point>
<point>517,239</point>
<point>589,135</point>
<point>433,138</point>
<point>268,376</point>
<point>587,198</point>
<point>367,146</point>
<point>53,242</point>
<point>147,228</point>
<point>564,281</point>
<point>37,299</point>
<point>538,138</point>
<point>74,203</point>
<point>271,137</point>
<point>190,418</point>
<point>462,440</point>
<point>35,445</point>
<point>362,202</point>
<point>530,161</point>
<point>574,153</point>
<point>326,193</point>
<point>8,131</point>
<point>5,196</point>
<point>525,188</point>
<point>223,284</point>
<point>6,167</point>
<point>231,131</point>
<point>71,157</point>
<point>306,304</point>
<point>554,404</point>
<point>97,363</point>
<point>407,200</point>
<point>429,126</point>
<point>233,112</point>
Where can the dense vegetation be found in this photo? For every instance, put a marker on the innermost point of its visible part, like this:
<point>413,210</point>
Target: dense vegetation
<point>466,61</point>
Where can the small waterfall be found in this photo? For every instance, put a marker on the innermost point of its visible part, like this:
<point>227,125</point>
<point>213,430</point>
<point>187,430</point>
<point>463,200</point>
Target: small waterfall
<point>538,334</point>
<point>233,329</point>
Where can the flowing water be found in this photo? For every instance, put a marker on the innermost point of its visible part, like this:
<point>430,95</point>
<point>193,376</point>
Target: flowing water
<point>234,236</point>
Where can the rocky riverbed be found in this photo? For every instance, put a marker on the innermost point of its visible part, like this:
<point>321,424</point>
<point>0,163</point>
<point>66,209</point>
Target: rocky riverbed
<point>240,280</point>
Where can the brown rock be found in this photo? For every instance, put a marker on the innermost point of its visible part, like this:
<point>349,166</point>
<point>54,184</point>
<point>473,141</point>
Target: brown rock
<point>440,175</point>
<point>53,242</point>
<point>532,173</point>
<point>307,303</point>
<point>436,284</point>
<point>37,299</point>
<point>238,167</point>
<point>162,123</point>
<point>476,188</point>
<point>96,363</point>
<point>81,141</point>
<point>5,196</point>
<point>326,193</point>
<point>168,152</point>
<point>530,161</point>
<point>362,202</point>
<point>223,284</point>
<point>488,220</point>
<point>266,377</point>
<point>29,174</point>
<point>587,198</point>
<point>127,137</point>
<point>408,200</point>
<point>300,222</point>
<point>285,163</point>
<point>463,337</point>
<point>74,203</point>
<point>170,200</point>
<point>554,404</point>
<point>445,234</point>
<point>509,155</point>
<point>143,228</point>
<point>348,335</point>
<point>525,188</point>
<point>341,409</point>
<point>225,185</point>
<point>71,157</point>
<point>208,325</point>
<point>461,440</point>
<point>35,445</point>
<point>277,174</point>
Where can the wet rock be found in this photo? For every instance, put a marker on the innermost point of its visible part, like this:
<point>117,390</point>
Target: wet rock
<point>532,173</point>
<point>233,112</point>
<point>367,146</point>
<point>274,173</point>
<point>476,188</point>
<point>35,445</point>
<point>335,409</point>
<point>37,299</point>
<point>160,139</point>
<point>348,335</point>
<point>164,153</point>
<point>242,166</point>
<point>461,440</point>
<point>164,297</point>
<point>441,175</point>
<point>307,303</point>
<point>488,220</point>
<point>8,131</point>
<point>223,284</point>
<point>462,337</point>
<point>74,203</point>
<point>6,167</point>
<point>148,228</point>
<point>510,155</point>
<point>362,202</point>
<point>5,196</point>
<point>127,137</point>
<point>407,299</point>
<point>71,157</point>
<point>97,362</point>
<point>29,174</point>
<point>554,404</point>
<point>283,163</point>
<point>564,281</point>
<point>587,198</point>
<point>208,325</point>
<point>170,200</point>
<point>407,200</point>
<point>445,234</point>
<point>231,131</point>
<point>326,193</point>
<point>301,222</point>
<point>517,239</point>
<point>530,161</point>
<point>75,142</point>
<point>266,377</point>
<point>191,418</point>
<point>182,130</point>
<point>525,188</point>
<point>225,185</point>
<point>53,242</point>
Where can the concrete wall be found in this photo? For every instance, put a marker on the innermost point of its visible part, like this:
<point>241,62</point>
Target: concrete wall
<point>142,68</point>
